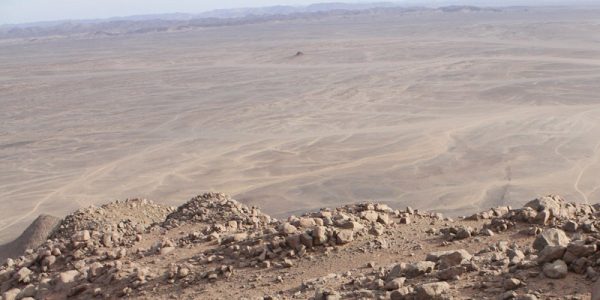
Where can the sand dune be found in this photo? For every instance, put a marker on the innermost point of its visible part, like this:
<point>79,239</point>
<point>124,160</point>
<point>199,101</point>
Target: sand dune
<point>447,111</point>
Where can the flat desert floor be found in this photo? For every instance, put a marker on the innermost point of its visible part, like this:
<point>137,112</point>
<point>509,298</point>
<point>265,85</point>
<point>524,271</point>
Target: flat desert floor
<point>448,111</point>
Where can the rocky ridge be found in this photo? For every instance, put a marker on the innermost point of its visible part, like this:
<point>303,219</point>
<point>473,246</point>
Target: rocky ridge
<point>214,247</point>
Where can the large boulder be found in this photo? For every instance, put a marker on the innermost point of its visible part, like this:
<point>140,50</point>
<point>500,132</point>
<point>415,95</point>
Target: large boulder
<point>551,237</point>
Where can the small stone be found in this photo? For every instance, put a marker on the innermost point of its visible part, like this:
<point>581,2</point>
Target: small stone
<point>395,283</point>
<point>319,234</point>
<point>166,250</point>
<point>419,268</point>
<point>570,226</point>
<point>183,272</point>
<point>81,236</point>
<point>511,284</point>
<point>551,253</point>
<point>402,293</point>
<point>11,294</point>
<point>344,236</point>
<point>288,228</point>
<point>23,275</point>
<point>550,237</point>
<point>430,291</point>
<point>287,263</point>
<point>556,270</point>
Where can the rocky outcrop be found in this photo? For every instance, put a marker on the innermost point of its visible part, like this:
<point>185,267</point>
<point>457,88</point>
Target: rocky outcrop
<point>135,248</point>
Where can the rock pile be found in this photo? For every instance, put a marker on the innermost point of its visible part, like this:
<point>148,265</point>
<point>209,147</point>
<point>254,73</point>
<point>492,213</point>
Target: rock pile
<point>134,248</point>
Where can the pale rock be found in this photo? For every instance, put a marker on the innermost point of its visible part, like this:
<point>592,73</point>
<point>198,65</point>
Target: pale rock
<point>395,283</point>
<point>166,250</point>
<point>550,237</point>
<point>287,228</point>
<point>11,294</point>
<point>344,236</point>
<point>319,234</point>
<point>23,275</point>
<point>369,215</point>
<point>556,270</point>
<point>432,291</point>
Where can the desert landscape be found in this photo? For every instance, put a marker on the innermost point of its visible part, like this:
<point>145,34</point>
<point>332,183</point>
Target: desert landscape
<point>452,111</point>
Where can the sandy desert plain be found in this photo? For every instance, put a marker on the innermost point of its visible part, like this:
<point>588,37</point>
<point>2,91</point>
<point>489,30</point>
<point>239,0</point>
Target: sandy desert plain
<point>448,111</point>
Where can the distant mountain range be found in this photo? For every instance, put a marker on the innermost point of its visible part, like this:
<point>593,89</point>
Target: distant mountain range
<point>239,16</point>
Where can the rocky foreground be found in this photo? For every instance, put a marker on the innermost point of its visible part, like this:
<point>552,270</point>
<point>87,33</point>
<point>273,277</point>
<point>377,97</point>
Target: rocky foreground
<point>214,247</point>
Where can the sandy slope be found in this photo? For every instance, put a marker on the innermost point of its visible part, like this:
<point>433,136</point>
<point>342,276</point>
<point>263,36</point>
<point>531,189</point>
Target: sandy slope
<point>452,112</point>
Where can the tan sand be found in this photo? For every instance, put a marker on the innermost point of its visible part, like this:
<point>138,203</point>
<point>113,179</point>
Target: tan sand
<point>446,111</point>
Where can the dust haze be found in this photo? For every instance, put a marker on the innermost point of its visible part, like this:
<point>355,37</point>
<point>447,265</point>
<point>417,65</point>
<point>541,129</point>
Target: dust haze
<point>451,111</point>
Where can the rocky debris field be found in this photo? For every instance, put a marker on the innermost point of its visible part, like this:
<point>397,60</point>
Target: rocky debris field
<point>213,247</point>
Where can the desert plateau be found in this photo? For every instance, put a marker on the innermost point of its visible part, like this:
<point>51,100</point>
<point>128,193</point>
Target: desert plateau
<point>448,110</point>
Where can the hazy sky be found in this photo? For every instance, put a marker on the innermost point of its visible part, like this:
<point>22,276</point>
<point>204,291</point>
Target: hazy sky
<point>21,11</point>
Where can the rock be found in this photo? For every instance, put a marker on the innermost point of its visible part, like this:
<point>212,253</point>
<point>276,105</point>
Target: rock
<point>486,232</point>
<point>395,283</point>
<point>397,270</point>
<point>369,215</point>
<point>238,237</point>
<point>596,290</point>
<point>432,291</point>
<point>287,263</point>
<point>403,293</point>
<point>11,294</point>
<point>166,250</point>
<point>48,260</point>
<point>326,294</point>
<point>449,258</point>
<point>588,227</point>
<point>463,233</point>
<point>580,265</point>
<point>67,277</point>
<point>28,291</point>
<point>307,222</point>
<point>551,253</point>
<point>452,273</point>
<point>293,241</point>
<point>556,270</point>
<point>306,240</point>
<point>550,237</point>
<point>344,236</point>
<point>419,268</point>
<point>319,234</point>
<point>551,204</point>
<point>526,297</point>
<point>580,249</point>
<point>81,236</point>
<point>384,218</point>
<point>570,226</point>
<point>377,229</point>
<point>23,275</point>
<point>183,272</point>
<point>287,228</point>
<point>405,220</point>
<point>511,284</point>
